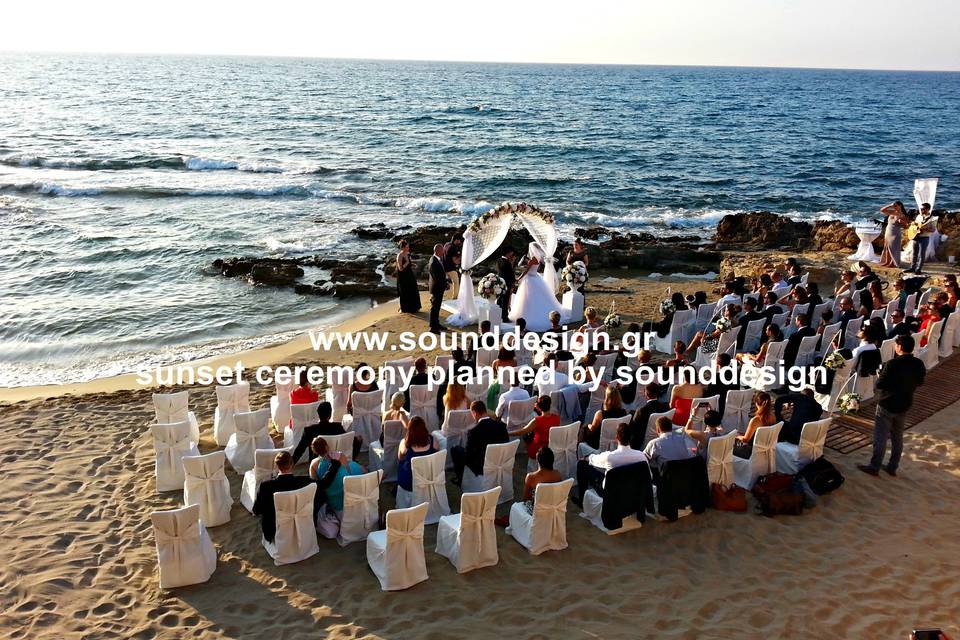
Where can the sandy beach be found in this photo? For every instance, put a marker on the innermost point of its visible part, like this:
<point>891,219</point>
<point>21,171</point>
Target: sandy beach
<point>872,560</point>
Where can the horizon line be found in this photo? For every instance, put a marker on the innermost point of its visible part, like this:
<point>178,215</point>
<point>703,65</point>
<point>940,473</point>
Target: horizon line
<point>463,61</point>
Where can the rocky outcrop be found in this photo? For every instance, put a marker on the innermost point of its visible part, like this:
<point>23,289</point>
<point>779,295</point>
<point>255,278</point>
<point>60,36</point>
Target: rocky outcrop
<point>762,229</point>
<point>833,235</point>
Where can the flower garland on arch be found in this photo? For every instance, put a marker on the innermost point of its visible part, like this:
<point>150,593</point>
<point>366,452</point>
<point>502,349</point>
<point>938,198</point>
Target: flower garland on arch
<point>510,208</point>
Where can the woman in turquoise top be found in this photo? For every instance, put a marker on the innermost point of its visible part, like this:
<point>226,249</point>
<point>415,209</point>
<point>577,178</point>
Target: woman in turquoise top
<point>319,467</point>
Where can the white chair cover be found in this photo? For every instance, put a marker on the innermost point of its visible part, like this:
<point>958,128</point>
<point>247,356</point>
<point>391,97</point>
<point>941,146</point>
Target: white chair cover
<point>763,459</point>
<point>469,538</point>
<point>185,553</point>
<point>342,442</point>
<point>841,379</point>
<point>818,313</point>
<point>171,442</point>
<point>252,433</point>
<point>338,395</point>
<point>477,391</point>
<point>206,486</point>
<point>383,455</point>
<point>366,415</point>
<point>520,413</point>
<point>563,443</point>
<point>302,415</point>
<point>697,422</point>
<point>826,339</point>
<point>423,403</point>
<point>652,425</point>
<point>453,432</point>
<point>361,507</point>
<point>948,335</point>
<point>773,363</point>
<point>262,470</point>
<point>888,349</point>
<point>429,486</point>
<point>705,313</point>
<point>280,405</point>
<point>498,463</point>
<point>231,399</point>
<point>682,322</point>
<point>930,352</point>
<point>595,404</point>
<point>850,339</point>
<point>806,351</point>
<point>296,537</point>
<point>546,528</point>
<point>606,365</point>
<point>791,458</point>
<point>392,380</point>
<point>395,554</point>
<point>751,341</point>
<point>593,511</point>
<point>608,432</point>
<point>736,410</point>
<point>175,407</point>
<point>720,459</point>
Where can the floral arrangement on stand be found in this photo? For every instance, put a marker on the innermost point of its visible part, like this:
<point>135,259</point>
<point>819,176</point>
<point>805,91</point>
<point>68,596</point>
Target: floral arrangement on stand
<point>612,320</point>
<point>510,208</point>
<point>723,324</point>
<point>833,361</point>
<point>849,402</point>
<point>491,286</point>
<point>575,275</point>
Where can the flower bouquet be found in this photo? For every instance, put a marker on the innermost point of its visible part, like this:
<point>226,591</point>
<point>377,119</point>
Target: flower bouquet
<point>833,361</point>
<point>849,402</point>
<point>723,324</point>
<point>612,321</point>
<point>667,307</point>
<point>575,275</point>
<point>491,286</point>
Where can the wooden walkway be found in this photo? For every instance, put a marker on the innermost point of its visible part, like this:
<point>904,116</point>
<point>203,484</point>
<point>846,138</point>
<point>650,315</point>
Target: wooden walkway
<point>940,389</point>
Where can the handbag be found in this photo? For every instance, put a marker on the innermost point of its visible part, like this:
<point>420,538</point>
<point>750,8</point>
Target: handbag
<point>732,498</point>
<point>778,494</point>
<point>822,476</point>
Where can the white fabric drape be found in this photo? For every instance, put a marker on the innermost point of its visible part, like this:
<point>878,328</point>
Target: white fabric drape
<point>545,240</point>
<point>185,553</point>
<point>925,190</point>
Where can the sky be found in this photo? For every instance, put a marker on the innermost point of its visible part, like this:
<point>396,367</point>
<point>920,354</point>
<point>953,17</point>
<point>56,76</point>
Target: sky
<point>870,34</point>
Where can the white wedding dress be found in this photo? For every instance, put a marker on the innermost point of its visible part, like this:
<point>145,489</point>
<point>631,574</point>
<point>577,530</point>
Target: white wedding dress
<point>534,301</point>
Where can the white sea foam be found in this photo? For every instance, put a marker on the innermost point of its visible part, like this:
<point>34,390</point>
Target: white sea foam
<point>443,205</point>
<point>209,164</point>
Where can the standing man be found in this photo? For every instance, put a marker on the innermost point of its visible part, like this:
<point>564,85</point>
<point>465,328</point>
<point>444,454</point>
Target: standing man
<point>437,285</point>
<point>927,226</point>
<point>451,262</point>
<point>505,271</point>
<point>898,380</point>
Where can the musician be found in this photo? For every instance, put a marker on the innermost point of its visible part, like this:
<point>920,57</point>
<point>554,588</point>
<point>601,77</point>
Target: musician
<point>923,226</point>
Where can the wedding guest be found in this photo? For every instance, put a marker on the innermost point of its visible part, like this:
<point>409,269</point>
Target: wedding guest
<point>554,317</point>
<point>772,333</point>
<point>420,377</point>
<point>798,295</point>
<point>593,321</point>
<point>679,355</point>
<point>709,341</point>
<point>612,408</point>
<point>592,471</point>
<point>451,262</point>
<point>682,396</point>
<point>506,358</point>
<point>712,426</point>
<point>365,371</point>
<point>303,393</point>
<point>749,315</point>
<point>487,431</point>
<point>321,464</point>
<point>455,398</point>
<point>772,308</point>
<point>728,296</point>
<point>417,442</point>
<point>397,411</point>
<point>641,416</point>
<point>847,285</point>
<point>801,409</point>
<point>669,445</point>
<point>544,473</point>
<point>793,274</point>
<point>540,426</point>
<point>865,276</point>
<point>407,289</point>
<point>285,481</point>
<point>515,392</point>
<point>897,219</point>
<point>505,269</point>
<point>895,387</point>
<point>900,293</point>
<point>763,417</point>
<point>804,330</point>
<point>813,292</point>
<point>437,285</point>
<point>578,253</point>
<point>779,284</point>
<point>846,314</point>
<point>324,427</point>
<point>876,295</point>
<point>899,326</point>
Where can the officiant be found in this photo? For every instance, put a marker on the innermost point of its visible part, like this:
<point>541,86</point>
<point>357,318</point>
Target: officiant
<point>505,270</point>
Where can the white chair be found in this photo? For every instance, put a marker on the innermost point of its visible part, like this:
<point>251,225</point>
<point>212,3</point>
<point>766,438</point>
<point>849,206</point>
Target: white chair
<point>841,379</point>
<point>206,486</point>
<point>817,313</point>
<point>338,395</point>
<point>763,458</point>
<point>720,459</point>
<point>423,403</point>
<point>910,304</point>
<point>780,319</point>
<point>520,413</point>
<point>595,404</point>
<point>546,528</point>
<point>171,443</point>
<point>395,554</point>
<point>429,486</point>
<point>563,443</point>
<point>608,432</point>
<point>366,416</point>
<point>925,296</point>
<point>252,433</point>
<point>263,463</point>
<point>726,343</point>
<point>680,326</point>
<point>850,338</point>
<point>705,313</point>
<point>443,362</point>
<point>361,507</point>
<point>303,415</point>
<point>485,356</point>
<point>888,349</point>
<point>948,335</point>
<point>754,331</point>
<point>879,313</point>
<point>185,553</point>
<point>342,442</point>
<point>736,410</point>
<point>231,399</point>
<point>477,391</point>
<point>175,407</point>
<point>652,425</point>
<point>383,455</point>
<point>393,372</point>
<point>826,339</point>
<point>498,463</point>
<point>296,535</point>
<point>453,431</point>
<point>606,365</point>
<point>469,538</point>
<point>806,351</point>
<point>930,352</point>
<point>766,377</point>
<point>280,404</point>
<point>791,324</point>
<point>713,401</point>
<point>791,458</point>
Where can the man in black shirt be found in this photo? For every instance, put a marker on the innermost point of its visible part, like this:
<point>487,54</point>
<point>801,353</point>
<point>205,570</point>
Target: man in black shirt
<point>803,408</point>
<point>487,431</point>
<point>638,425</point>
<point>898,380</point>
<point>285,481</point>
<point>750,314</point>
<point>323,428</point>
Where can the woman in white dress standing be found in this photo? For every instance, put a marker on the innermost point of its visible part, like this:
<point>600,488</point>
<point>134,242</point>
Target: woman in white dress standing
<point>534,300</point>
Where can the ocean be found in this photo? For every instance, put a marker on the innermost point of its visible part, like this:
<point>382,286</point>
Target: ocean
<point>123,177</point>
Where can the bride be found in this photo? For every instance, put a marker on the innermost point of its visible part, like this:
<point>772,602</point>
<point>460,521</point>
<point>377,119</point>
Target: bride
<point>534,299</point>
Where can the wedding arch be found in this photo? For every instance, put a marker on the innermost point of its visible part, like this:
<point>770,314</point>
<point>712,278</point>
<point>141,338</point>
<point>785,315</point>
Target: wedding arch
<point>485,235</point>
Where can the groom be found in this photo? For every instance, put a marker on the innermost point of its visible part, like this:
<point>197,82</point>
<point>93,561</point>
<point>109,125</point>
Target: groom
<point>437,284</point>
<point>505,271</point>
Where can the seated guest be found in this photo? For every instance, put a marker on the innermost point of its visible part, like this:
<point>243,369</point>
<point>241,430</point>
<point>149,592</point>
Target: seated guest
<point>771,333</point>
<point>826,319</point>
<point>593,320</point>
<point>669,445</point>
<point>679,354</point>
<point>876,295</point>
<point>771,307</point>
<point>718,387</point>
<point>612,408</point>
<point>642,415</point>
<point>942,305</point>
<point>847,284</point>
<point>804,330</point>
<point>798,295</point>
<point>455,398</point>
<point>847,313</point>
<point>728,296</point>
<point>591,471</point>
<point>505,358</point>
<point>813,292</point>
<point>486,431</point>
<point>554,318</point>
<point>779,284</point>
<point>285,481</point>
<point>322,461</point>
<point>795,410</point>
<point>899,325</point>
<point>763,417</point>
<point>749,315</point>
<point>396,410</point>
<point>540,426</point>
<point>662,327</point>
<point>681,396</point>
<point>708,341</point>
<point>323,428</point>
<point>548,379</point>
<point>420,377</point>
<point>864,276</point>
<point>544,473</point>
<point>763,285</point>
<point>793,274</point>
<point>417,442</point>
<point>712,426</point>
<point>515,392</point>
<point>303,393</point>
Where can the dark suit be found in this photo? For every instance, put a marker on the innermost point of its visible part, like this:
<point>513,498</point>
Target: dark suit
<point>900,329</point>
<point>793,344</point>
<point>805,409</point>
<point>263,505</point>
<point>437,285</point>
<point>321,429</point>
<point>862,283</point>
<point>638,426</point>
<point>487,431</point>
<point>505,271</point>
<point>744,320</point>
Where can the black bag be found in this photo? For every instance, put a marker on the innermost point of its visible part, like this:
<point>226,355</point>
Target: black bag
<point>822,476</point>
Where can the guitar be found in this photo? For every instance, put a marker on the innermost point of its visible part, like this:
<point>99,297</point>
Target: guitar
<point>916,227</point>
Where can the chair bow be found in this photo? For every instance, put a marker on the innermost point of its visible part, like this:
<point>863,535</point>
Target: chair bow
<point>184,444</point>
<point>393,535</point>
<point>189,533</point>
